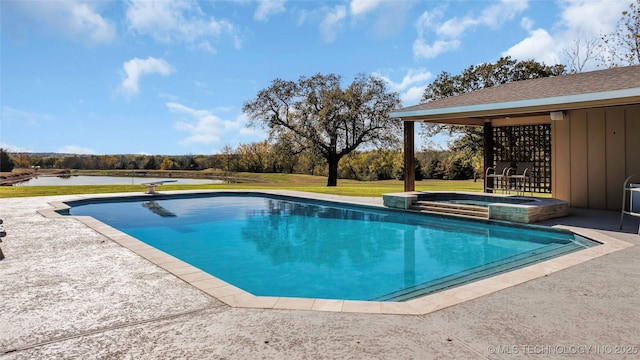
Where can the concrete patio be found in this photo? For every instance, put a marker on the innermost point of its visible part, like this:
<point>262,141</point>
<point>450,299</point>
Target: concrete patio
<point>67,291</point>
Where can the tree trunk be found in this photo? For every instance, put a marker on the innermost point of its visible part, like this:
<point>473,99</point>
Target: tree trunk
<point>333,170</point>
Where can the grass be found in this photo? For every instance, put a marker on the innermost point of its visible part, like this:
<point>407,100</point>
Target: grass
<point>297,182</point>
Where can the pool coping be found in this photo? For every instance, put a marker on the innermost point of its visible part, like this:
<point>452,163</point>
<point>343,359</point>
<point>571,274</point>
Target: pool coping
<point>236,297</point>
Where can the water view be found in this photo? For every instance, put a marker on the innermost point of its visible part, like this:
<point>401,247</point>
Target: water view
<point>107,180</point>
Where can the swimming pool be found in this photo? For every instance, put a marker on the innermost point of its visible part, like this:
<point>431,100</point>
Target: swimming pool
<point>290,247</point>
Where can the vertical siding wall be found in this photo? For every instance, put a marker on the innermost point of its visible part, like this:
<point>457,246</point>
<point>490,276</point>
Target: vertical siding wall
<point>594,150</point>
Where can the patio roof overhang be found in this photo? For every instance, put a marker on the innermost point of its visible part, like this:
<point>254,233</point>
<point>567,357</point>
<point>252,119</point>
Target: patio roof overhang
<point>478,114</point>
<point>507,113</point>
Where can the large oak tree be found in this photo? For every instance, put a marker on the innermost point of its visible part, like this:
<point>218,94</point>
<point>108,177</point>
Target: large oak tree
<point>316,114</point>
<point>468,139</point>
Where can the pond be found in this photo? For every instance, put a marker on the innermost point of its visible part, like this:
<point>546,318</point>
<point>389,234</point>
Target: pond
<point>107,180</point>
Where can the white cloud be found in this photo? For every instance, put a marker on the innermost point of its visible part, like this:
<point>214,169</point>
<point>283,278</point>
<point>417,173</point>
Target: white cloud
<point>79,20</point>
<point>412,76</point>
<point>390,17</point>
<point>11,114</point>
<point>85,19</point>
<point>526,23</point>
<point>359,7</point>
<point>429,20</point>
<point>267,8</point>
<point>426,51</point>
<point>23,117</point>
<point>591,16</point>
<point>13,148</point>
<point>303,16</point>
<point>412,95</point>
<point>253,132</point>
<point>579,20</point>
<point>412,85</point>
<point>207,47</point>
<point>332,23</point>
<point>177,21</point>
<point>454,27</point>
<point>539,46</point>
<point>387,19</point>
<point>136,68</point>
<point>584,22</point>
<point>449,32</point>
<point>497,14</point>
<point>492,16</point>
<point>203,126</point>
<point>75,149</point>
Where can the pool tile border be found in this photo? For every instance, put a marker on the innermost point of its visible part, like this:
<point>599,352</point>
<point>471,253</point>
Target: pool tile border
<point>236,297</point>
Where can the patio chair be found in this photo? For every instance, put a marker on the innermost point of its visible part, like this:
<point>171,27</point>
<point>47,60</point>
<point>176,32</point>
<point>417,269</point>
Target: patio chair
<point>521,180</point>
<point>499,175</point>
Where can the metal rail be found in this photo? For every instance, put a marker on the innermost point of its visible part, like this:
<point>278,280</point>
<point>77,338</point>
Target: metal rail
<point>627,188</point>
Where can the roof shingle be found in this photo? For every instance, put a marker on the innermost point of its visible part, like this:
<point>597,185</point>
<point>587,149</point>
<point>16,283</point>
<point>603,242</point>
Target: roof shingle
<point>619,78</point>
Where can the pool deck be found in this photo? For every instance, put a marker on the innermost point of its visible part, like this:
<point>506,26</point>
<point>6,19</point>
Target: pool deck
<point>69,291</point>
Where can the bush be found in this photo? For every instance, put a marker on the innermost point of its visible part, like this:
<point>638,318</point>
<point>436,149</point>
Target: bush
<point>435,170</point>
<point>6,163</point>
<point>460,170</point>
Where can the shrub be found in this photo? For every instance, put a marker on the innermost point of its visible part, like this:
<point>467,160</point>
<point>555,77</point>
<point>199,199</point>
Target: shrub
<point>460,170</point>
<point>6,163</point>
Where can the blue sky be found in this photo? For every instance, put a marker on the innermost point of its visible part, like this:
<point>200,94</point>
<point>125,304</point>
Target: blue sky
<point>170,77</point>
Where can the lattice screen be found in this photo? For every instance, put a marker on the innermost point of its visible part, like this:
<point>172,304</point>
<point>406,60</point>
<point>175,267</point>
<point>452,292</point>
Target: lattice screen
<point>526,143</point>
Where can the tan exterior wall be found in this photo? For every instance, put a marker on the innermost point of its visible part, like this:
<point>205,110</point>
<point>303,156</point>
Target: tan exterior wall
<point>594,150</point>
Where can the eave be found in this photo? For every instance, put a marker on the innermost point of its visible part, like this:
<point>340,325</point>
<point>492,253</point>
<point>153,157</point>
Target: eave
<point>477,114</point>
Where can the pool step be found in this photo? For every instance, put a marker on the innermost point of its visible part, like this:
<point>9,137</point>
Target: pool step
<point>451,209</point>
<point>499,266</point>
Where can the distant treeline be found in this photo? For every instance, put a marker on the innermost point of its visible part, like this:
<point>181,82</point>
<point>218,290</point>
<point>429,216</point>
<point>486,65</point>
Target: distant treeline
<point>263,157</point>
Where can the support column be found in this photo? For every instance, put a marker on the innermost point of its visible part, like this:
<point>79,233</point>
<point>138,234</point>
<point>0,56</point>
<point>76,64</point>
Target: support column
<point>409,157</point>
<point>487,146</point>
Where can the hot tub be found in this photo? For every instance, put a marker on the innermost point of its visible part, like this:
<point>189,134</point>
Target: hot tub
<point>519,209</point>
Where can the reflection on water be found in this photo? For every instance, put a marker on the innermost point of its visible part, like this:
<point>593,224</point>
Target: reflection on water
<point>106,180</point>
<point>156,208</point>
<point>291,232</point>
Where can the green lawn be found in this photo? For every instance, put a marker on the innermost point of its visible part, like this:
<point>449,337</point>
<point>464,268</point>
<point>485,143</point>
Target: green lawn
<point>260,181</point>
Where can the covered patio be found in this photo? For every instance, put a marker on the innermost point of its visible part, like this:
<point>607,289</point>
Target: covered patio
<point>579,132</point>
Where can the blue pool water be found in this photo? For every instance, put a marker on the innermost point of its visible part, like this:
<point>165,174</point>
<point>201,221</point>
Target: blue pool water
<point>278,246</point>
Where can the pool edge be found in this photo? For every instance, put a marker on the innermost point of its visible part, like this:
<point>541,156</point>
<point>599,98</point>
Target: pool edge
<point>236,297</point>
